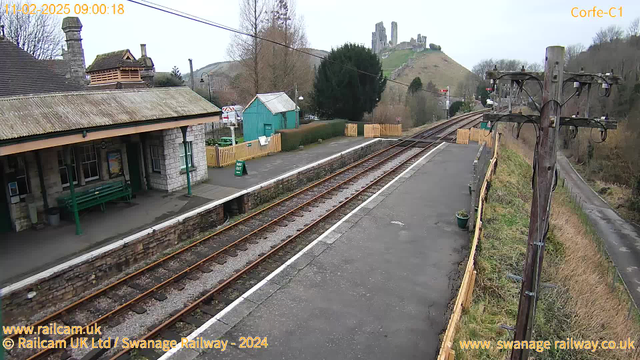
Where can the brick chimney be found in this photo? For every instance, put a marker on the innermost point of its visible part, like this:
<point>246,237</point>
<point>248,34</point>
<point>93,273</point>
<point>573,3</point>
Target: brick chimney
<point>74,56</point>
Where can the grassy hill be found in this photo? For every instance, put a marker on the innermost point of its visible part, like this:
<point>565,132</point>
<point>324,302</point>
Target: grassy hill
<point>429,65</point>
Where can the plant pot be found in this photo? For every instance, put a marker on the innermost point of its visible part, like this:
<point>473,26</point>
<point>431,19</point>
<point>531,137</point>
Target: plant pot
<point>462,221</point>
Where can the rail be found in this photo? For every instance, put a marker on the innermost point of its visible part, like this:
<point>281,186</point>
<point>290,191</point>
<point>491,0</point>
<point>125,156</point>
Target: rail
<point>461,121</point>
<point>197,303</point>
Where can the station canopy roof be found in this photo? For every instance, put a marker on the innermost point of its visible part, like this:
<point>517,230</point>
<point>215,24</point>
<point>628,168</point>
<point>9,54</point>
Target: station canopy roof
<point>60,113</point>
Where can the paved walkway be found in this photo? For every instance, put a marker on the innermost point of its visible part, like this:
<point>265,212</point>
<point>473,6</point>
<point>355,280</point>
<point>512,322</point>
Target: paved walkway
<point>32,251</point>
<point>375,287</point>
<point>269,167</point>
<point>621,239</point>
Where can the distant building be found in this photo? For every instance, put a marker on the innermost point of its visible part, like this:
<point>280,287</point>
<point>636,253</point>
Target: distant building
<point>267,113</point>
<point>379,39</point>
<point>394,33</point>
<point>120,69</point>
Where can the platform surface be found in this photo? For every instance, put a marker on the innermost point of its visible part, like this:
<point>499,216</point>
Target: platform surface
<point>376,288</point>
<point>28,252</point>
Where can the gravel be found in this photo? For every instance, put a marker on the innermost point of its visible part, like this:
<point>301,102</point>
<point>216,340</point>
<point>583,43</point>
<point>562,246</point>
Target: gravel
<point>134,325</point>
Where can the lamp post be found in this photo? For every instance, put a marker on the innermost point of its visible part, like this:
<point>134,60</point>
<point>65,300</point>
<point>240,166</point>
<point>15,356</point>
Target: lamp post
<point>208,82</point>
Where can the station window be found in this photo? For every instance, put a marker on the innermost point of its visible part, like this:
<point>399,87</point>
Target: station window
<point>189,155</point>
<point>156,157</point>
<point>64,179</point>
<point>21,177</point>
<point>89,162</point>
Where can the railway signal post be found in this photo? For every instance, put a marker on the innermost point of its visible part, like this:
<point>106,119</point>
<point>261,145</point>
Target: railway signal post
<point>547,126</point>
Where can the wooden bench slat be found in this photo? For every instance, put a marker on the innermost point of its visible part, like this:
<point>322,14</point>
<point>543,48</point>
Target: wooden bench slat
<point>96,196</point>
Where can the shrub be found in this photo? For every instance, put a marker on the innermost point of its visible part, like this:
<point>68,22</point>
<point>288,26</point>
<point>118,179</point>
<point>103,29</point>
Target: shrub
<point>310,133</point>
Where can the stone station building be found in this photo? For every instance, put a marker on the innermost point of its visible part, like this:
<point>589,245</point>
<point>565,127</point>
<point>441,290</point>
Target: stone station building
<point>133,136</point>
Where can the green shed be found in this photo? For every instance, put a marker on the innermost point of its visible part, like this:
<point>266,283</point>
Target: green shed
<point>267,113</point>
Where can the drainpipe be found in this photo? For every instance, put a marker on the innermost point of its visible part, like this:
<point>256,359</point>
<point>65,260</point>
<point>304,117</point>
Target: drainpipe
<point>186,157</point>
<point>43,189</point>
<point>74,204</point>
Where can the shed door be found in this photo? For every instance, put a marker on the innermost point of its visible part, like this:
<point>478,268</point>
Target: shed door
<point>268,130</point>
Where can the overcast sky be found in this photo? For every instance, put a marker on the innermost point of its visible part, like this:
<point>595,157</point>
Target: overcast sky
<point>468,31</point>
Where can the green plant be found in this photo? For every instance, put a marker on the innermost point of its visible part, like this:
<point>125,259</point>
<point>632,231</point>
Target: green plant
<point>455,107</point>
<point>340,90</point>
<point>462,214</point>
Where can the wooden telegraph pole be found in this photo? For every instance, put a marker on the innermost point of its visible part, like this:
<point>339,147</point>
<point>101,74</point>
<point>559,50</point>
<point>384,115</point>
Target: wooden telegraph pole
<point>547,125</point>
<point>543,183</point>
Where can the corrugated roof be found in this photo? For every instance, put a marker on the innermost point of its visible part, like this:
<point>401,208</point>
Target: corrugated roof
<point>21,73</point>
<point>24,116</point>
<point>276,102</point>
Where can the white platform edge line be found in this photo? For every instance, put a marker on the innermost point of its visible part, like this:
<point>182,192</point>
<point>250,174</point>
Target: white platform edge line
<point>257,286</point>
<point>120,243</point>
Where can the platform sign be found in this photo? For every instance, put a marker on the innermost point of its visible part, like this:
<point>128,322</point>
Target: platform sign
<point>241,168</point>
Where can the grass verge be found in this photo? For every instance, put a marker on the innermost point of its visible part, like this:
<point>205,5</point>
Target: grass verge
<point>582,302</point>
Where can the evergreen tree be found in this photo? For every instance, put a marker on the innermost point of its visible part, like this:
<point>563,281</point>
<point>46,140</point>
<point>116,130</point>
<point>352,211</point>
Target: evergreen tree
<point>415,86</point>
<point>175,72</point>
<point>342,92</point>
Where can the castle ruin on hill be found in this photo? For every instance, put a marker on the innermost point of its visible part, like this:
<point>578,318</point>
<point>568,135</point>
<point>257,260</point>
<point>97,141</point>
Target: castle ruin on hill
<point>380,43</point>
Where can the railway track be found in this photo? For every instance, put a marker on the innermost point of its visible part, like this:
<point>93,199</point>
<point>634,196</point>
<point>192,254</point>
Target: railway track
<point>248,249</point>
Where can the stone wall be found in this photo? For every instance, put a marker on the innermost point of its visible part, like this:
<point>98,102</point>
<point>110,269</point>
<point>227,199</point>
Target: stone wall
<point>52,181</point>
<point>99,270</point>
<point>173,146</point>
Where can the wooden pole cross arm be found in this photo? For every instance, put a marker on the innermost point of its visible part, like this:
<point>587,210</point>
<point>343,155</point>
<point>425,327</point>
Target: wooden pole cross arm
<point>596,123</point>
<point>513,75</point>
<point>582,77</point>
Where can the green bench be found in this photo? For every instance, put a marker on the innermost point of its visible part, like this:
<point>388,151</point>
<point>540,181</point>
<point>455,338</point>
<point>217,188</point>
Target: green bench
<point>98,195</point>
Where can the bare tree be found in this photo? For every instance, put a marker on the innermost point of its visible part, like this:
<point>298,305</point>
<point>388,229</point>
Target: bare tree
<point>246,49</point>
<point>634,28</point>
<point>535,67</point>
<point>38,34</point>
<point>287,67</point>
<point>482,67</point>
<point>572,51</point>
<point>609,34</point>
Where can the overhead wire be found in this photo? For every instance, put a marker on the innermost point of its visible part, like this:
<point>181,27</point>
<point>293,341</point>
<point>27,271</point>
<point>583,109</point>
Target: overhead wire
<point>191,17</point>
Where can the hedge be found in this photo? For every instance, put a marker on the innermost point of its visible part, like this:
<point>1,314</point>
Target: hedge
<point>310,133</point>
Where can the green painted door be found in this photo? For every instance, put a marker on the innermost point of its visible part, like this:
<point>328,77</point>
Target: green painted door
<point>268,130</point>
<point>133,160</point>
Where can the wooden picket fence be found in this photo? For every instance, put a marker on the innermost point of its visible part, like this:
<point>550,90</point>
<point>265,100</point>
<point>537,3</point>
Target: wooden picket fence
<point>371,130</point>
<point>390,130</point>
<point>463,136</point>
<point>223,156</point>
<point>465,293</point>
<point>351,130</point>
<point>377,130</point>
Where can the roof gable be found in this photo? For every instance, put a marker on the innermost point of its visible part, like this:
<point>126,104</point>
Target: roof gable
<point>114,60</point>
<point>21,73</point>
<point>277,102</point>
